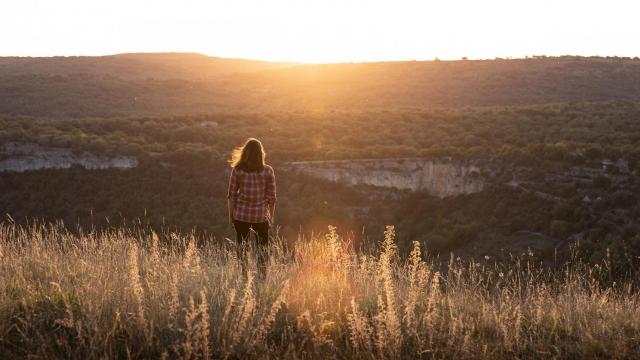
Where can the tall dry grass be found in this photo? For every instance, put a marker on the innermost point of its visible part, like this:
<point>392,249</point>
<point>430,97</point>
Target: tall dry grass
<point>126,294</point>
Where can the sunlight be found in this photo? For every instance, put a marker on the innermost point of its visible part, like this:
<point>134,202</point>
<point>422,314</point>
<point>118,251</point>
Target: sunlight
<point>322,31</point>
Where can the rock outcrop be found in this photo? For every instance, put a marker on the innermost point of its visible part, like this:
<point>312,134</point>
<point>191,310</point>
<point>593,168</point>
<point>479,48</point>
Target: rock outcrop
<point>439,177</point>
<point>24,157</point>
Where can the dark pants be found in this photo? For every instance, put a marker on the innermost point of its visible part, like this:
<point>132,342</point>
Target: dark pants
<point>243,231</point>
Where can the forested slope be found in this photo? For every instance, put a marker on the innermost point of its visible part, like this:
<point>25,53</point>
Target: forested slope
<point>193,84</point>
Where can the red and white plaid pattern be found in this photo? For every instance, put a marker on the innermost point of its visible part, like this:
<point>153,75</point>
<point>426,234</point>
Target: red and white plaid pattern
<point>252,193</point>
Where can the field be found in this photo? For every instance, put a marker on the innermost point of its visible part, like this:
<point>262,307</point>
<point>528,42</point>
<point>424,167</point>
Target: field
<point>136,294</point>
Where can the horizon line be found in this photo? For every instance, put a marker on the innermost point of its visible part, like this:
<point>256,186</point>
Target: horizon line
<point>436,58</point>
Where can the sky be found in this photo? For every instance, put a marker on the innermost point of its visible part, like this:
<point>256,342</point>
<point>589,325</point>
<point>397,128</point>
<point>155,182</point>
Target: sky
<point>322,31</point>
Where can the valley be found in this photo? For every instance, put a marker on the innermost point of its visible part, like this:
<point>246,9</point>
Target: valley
<point>515,159</point>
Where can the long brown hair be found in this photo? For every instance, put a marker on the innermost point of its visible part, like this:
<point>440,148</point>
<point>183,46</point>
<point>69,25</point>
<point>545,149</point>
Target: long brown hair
<point>249,157</point>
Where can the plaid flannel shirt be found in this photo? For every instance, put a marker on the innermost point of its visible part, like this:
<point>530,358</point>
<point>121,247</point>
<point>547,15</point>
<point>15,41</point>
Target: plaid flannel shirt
<point>252,193</point>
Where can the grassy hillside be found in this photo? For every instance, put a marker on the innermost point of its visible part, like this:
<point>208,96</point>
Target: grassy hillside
<point>132,294</point>
<point>153,84</point>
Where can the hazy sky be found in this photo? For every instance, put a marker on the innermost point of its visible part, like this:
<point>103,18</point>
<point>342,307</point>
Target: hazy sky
<point>322,31</point>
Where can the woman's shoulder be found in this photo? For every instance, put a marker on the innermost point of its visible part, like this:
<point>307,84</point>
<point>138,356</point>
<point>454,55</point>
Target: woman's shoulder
<point>268,169</point>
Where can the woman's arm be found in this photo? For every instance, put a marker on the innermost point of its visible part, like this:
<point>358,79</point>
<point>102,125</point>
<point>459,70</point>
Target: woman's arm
<point>272,211</point>
<point>271,195</point>
<point>232,194</point>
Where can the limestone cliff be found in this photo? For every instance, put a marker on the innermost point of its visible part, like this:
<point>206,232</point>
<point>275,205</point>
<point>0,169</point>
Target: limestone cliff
<point>23,157</point>
<point>440,177</point>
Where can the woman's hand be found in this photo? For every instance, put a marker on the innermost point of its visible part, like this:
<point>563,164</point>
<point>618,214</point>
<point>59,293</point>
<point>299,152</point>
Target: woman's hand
<point>271,214</point>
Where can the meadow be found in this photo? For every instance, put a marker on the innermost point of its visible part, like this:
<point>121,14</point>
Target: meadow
<point>132,293</point>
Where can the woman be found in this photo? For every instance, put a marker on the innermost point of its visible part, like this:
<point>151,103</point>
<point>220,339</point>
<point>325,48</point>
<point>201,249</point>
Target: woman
<point>252,192</point>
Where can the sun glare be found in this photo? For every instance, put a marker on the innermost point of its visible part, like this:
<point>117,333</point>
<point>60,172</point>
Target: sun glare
<point>322,31</point>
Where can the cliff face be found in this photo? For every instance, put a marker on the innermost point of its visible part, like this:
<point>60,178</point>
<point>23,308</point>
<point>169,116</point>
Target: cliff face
<point>440,178</point>
<point>24,157</point>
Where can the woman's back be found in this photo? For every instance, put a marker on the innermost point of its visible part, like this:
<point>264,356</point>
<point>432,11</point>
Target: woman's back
<point>252,192</point>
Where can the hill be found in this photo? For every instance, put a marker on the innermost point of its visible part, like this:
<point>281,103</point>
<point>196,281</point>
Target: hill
<point>134,66</point>
<point>153,84</point>
<point>454,83</point>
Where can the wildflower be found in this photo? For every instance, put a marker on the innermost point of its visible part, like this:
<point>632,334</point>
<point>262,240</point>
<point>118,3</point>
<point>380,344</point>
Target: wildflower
<point>458,258</point>
<point>530,252</point>
<point>486,257</point>
<point>501,274</point>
